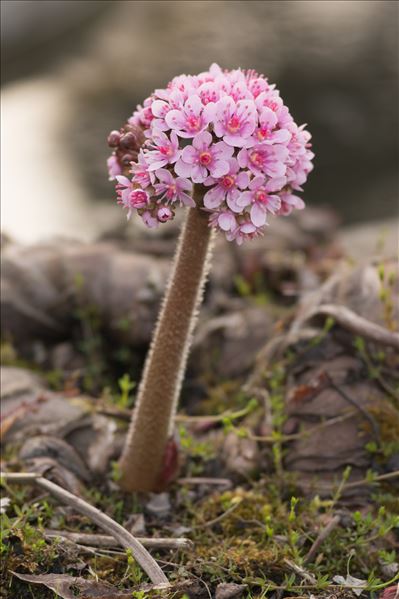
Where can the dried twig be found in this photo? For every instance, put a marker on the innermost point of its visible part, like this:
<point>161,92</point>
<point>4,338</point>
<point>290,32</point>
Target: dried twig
<point>95,540</point>
<point>124,538</point>
<point>199,480</point>
<point>219,518</point>
<point>301,571</point>
<point>357,324</point>
<point>377,479</point>
<point>304,433</point>
<point>373,423</point>
<point>324,533</point>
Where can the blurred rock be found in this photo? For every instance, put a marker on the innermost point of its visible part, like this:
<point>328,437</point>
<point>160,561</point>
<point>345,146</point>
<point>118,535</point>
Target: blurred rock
<point>57,449</point>
<point>228,590</point>
<point>226,345</point>
<point>45,286</point>
<point>240,455</point>
<point>159,505</point>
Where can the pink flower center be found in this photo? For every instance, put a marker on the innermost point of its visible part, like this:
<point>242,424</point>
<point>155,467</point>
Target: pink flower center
<point>164,214</point>
<point>272,105</point>
<point>148,114</point>
<point>227,182</point>
<point>208,96</point>
<point>205,158</point>
<point>262,133</point>
<point>166,150</point>
<point>261,196</point>
<point>138,199</point>
<point>193,123</point>
<point>233,124</point>
<point>170,194</point>
<point>256,158</point>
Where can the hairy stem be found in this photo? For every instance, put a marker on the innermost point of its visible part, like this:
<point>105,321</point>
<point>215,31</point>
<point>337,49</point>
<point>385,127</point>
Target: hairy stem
<point>143,456</point>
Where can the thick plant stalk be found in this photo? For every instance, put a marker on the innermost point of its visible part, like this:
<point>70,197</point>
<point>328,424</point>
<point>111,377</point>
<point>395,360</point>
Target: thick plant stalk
<point>143,456</point>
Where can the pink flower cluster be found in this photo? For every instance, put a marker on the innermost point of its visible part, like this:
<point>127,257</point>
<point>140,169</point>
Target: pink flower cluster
<point>228,131</point>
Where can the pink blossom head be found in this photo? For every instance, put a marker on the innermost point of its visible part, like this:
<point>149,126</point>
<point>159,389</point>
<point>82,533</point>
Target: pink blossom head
<point>228,131</point>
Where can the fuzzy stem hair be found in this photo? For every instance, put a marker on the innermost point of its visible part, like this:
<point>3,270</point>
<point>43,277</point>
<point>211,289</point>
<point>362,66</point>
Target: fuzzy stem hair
<point>152,422</point>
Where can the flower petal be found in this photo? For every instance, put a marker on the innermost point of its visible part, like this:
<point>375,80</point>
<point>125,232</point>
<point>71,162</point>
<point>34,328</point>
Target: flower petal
<point>219,168</point>
<point>226,221</point>
<point>214,197</point>
<point>258,215</point>
<point>183,169</point>
<point>201,141</point>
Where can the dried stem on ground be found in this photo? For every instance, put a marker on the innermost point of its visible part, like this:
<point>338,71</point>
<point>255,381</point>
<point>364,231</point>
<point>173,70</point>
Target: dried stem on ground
<point>357,324</point>
<point>124,538</point>
<point>96,540</point>
<point>324,533</point>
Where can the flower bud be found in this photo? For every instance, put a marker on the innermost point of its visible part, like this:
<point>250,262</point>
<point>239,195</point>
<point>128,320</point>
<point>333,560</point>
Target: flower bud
<point>164,214</point>
<point>128,141</point>
<point>113,139</point>
<point>127,159</point>
<point>138,199</point>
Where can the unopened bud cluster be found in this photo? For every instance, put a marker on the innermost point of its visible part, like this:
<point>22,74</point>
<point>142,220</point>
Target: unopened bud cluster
<point>226,130</point>
<point>126,144</point>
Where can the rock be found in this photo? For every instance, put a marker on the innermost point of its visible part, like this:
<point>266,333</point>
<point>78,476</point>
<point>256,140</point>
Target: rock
<point>159,505</point>
<point>95,437</point>
<point>229,590</point>
<point>359,289</point>
<point>226,345</point>
<point>240,455</point>
<point>56,449</point>
<point>45,285</point>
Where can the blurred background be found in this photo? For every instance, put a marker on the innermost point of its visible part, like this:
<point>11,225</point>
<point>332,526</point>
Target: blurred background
<point>73,70</point>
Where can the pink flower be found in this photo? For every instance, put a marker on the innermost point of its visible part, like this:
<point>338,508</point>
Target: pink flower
<point>164,214</point>
<point>226,188</point>
<point>264,159</point>
<point>185,84</point>
<point>173,190</point>
<point>140,171</point>
<point>192,118</point>
<point>173,99</point>
<point>257,85</point>
<point>149,220</point>
<point>131,197</point>
<point>204,157</point>
<point>260,200</point>
<point>289,202</point>
<point>226,130</point>
<point>235,122</point>
<point>208,92</point>
<point>244,230</point>
<point>267,132</point>
<point>224,220</point>
<point>166,151</point>
<point>269,98</point>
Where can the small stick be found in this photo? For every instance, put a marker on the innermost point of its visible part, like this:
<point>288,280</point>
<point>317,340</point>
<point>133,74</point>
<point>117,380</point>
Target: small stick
<point>357,324</point>
<point>95,540</point>
<point>219,518</point>
<point>373,423</point>
<point>360,483</point>
<point>304,433</point>
<point>324,533</point>
<point>124,538</point>
<point>198,480</point>
<point>377,479</point>
<point>300,571</point>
